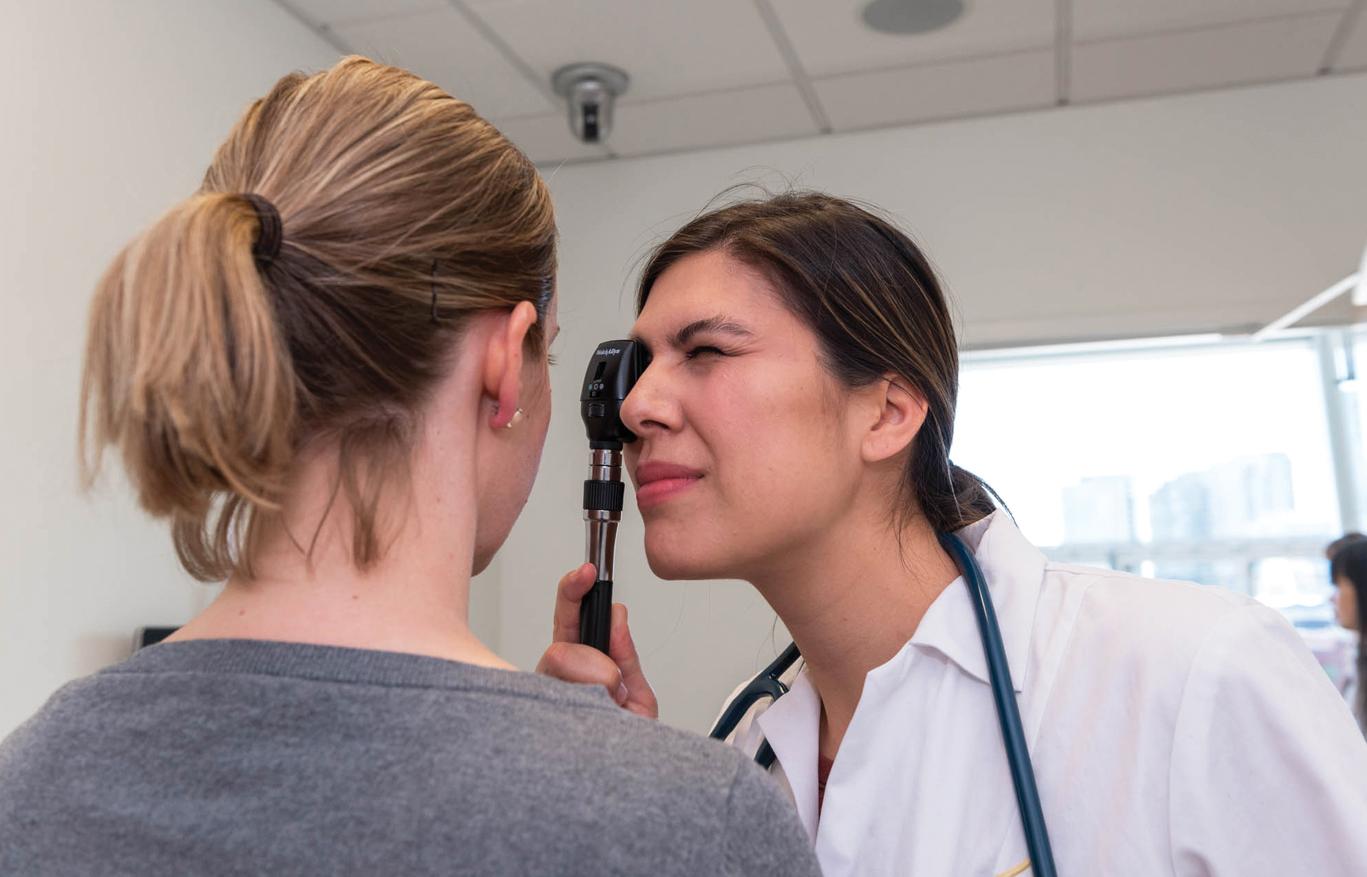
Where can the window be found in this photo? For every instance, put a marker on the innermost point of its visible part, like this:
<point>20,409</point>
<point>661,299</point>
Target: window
<point>1211,462</point>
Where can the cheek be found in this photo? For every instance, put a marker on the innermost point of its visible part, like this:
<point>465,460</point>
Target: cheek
<point>779,449</point>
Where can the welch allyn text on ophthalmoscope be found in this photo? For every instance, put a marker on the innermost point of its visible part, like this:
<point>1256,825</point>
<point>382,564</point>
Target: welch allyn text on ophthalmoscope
<point>611,374</point>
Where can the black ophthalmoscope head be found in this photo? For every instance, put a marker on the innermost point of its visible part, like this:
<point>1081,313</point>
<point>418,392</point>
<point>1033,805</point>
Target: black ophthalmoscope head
<point>612,372</point>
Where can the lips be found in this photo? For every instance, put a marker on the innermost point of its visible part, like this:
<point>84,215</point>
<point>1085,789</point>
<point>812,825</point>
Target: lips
<point>657,482</point>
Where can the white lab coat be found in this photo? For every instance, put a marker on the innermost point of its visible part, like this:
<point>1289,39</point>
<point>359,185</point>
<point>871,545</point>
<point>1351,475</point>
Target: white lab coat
<point>1174,729</point>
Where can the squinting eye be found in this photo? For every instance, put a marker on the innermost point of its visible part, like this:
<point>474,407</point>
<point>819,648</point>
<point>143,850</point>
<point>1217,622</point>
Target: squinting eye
<point>703,350</point>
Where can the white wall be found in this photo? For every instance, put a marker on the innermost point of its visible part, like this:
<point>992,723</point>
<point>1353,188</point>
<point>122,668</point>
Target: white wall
<point>1142,218</point>
<point>111,112</point>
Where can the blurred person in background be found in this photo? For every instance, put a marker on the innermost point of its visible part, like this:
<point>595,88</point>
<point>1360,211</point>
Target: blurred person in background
<point>1348,569</point>
<point>1341,543</point>
<point>1334,646</point>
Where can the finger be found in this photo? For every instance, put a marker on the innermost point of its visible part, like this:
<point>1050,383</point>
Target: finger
<point>568,595</point>
<point>585,665</point>
<point>640,697</point>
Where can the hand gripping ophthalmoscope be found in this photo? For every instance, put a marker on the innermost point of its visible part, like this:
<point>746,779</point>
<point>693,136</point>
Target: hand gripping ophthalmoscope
<point>611,374</point>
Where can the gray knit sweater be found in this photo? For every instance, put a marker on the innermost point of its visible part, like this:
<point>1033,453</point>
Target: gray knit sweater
<point>248,757</point>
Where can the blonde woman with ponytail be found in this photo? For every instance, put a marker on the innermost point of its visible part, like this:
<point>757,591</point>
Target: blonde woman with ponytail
<point>327,371</point>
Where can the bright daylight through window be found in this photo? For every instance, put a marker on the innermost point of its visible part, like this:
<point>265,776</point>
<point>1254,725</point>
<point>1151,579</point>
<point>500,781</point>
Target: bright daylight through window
<point>1224,463</point>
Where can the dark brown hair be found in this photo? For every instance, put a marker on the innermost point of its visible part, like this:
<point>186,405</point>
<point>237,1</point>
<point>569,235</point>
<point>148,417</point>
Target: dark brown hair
<point>403,213</point>
<point>1349,564</point>
<point>873,302</point>
<point>1341,543</point>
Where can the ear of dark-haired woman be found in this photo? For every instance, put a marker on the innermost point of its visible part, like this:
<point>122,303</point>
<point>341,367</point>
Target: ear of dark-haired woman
<point>896,415</point>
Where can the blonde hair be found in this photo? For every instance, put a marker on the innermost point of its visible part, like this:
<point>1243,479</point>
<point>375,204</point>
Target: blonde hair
<point>403,213</point>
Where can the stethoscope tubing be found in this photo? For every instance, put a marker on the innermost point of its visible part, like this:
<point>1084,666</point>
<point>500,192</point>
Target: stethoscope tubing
<point>1008,713</point>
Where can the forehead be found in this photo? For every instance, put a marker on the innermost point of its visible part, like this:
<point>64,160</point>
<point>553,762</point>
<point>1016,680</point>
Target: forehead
<point>707,285</point>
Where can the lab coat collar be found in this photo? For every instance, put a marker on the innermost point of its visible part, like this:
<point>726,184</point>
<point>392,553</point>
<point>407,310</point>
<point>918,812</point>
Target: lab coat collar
<point>1014,570</point>
<point>792,725</point>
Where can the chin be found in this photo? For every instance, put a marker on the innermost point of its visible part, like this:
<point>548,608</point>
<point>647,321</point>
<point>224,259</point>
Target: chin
<point>668,569</point>
<point>673,557</point>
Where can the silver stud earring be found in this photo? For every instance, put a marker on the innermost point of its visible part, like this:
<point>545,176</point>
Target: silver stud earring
<point>517,417</point>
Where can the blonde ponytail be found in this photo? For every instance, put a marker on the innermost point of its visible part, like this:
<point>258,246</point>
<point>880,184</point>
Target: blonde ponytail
<point>208,366</point>
<point>185,369</point>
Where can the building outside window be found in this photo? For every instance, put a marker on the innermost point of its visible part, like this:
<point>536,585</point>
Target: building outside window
<point>1227,463</point>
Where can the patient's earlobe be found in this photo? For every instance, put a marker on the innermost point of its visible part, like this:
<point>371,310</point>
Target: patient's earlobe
<point>503,362</point>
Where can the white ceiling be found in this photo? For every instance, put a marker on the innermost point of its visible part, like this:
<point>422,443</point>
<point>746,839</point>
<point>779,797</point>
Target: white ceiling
<point>719,72</point>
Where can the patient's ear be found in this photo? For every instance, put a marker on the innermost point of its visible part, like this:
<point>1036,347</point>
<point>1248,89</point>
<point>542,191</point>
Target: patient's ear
<point>502,367</point>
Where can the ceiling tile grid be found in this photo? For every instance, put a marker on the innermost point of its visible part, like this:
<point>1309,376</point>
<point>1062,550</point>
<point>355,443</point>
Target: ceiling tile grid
<point>438,44</point>
<point>1353,55</point>
<point>707,73</point>
<point>1262,51</point>
<point>830,36</point>
<point>772,112</point>
<point>1000,83</point>
<point>1108,19</point>
<point>324,13</point>
<point>668,48</point>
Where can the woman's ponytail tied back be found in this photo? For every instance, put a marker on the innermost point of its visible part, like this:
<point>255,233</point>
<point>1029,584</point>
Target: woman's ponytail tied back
<point>973,498</point>
<point>186,370</point>
<point>949,496</point>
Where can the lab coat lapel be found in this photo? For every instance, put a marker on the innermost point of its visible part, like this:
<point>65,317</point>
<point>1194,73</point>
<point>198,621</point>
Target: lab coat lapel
<point>792,725</point>
<point>1014,571</point>
<point>903,754</point>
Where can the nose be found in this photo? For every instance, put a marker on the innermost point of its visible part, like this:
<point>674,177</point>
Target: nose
<point>651,408</point>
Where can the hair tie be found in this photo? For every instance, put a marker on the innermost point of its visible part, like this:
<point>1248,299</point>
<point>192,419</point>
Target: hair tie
<point>271,235</point>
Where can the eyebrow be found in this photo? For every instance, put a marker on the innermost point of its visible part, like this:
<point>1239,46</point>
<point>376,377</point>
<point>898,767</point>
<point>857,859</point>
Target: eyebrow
<point>708,324</point>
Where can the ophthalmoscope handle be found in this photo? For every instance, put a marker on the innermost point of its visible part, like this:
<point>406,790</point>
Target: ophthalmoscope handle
<point>603,494</point>
<point>595,616</point>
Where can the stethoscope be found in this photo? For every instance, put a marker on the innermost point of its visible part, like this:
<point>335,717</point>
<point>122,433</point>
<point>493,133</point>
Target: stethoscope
<point>768,684</point>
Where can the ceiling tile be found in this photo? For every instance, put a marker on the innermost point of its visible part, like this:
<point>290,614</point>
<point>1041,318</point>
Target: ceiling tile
<point>1096,19</point>
<point>1353,56</point>
<point>718,119</point>
<point>547,139</point>
<point>830,35</point>
<point>441,46</point>
<point>935,91</point>
<point>1257,52</point>
<point>328,12</point>
<point>667,48</point>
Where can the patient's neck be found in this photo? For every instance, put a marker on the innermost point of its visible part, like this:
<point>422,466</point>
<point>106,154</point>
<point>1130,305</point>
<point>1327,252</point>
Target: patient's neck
<point>414,598</point>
